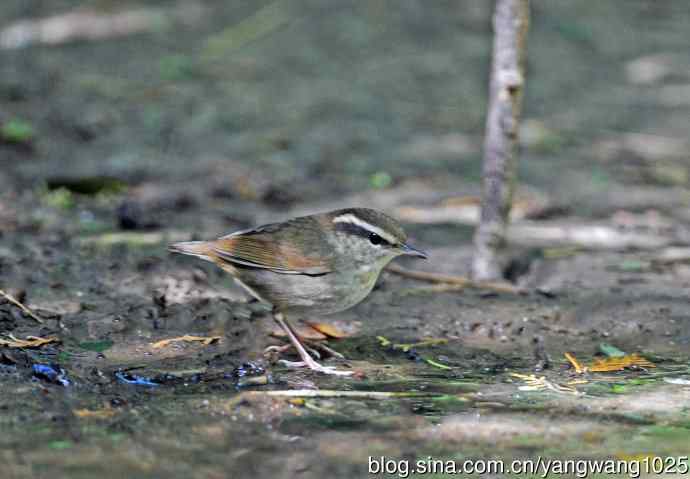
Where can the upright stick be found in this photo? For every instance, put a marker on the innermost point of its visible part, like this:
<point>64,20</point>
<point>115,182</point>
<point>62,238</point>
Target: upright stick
<point>511,22</point>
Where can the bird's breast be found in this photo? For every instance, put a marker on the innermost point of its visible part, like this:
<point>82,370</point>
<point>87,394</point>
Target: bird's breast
<point>324,294</point>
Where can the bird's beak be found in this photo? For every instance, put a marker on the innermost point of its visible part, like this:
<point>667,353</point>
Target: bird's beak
<point>409,250</point>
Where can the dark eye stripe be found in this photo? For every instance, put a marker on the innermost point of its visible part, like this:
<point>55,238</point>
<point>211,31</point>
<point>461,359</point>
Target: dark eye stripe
<point>357,230</point>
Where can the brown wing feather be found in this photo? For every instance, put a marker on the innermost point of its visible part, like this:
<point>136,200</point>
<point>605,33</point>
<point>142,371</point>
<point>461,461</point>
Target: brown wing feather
<point>257,248</point>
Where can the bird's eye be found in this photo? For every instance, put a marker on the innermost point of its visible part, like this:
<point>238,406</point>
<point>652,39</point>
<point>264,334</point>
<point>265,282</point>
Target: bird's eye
<point>375,239</point>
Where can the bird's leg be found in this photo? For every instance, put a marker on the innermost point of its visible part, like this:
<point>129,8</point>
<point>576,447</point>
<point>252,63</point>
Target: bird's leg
<point>307,360</point>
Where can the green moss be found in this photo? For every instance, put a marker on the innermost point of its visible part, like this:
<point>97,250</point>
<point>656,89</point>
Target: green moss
<point>17,131</point>
<point>668,433</point>
<point>60,198</point>
<point>380,180</point>
<point>176,67</point>
<point>60,445</point>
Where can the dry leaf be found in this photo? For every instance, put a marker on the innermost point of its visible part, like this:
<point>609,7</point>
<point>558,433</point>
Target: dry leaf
<point>538,384</point>
<point>186,338</point>
<point>610,364</point>
<point>618,364</point>
<point>20,305</point>
<point>328,329</point>
<point>579,369</point>
<point>98,414</point>
<point>29,342</point>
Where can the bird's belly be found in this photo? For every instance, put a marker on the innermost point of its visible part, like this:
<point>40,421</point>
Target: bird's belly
<point>324,294</point>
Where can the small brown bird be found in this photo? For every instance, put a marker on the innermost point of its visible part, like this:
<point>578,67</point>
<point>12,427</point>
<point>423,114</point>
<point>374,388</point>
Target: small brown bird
<point>316,264</point>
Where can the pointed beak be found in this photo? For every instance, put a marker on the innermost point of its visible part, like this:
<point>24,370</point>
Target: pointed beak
<point>409,250</point>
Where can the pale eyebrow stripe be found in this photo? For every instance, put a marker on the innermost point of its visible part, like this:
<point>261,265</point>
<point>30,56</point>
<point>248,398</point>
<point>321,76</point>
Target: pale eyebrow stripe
<point>352,219</point>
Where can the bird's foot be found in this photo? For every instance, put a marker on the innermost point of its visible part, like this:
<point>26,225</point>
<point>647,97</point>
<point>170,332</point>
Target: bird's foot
<point>314,366</point>
<point>330,351</point>
<point>307,360</point>
<point>271,351</point>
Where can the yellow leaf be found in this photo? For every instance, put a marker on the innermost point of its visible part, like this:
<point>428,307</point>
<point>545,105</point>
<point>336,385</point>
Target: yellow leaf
<point>610,364</point>
<point>537,384</point>
<point>29,342</point>
<point>576,364</point>
<point>618,364</point>
<point>186,338</point>
<point>98,414</point>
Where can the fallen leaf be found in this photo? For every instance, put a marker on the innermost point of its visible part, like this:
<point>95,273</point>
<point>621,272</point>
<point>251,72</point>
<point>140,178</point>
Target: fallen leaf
<point>610,364</point>
<point>534,383</point>
<point>186,338</point>
<point>579,369</point>
<point>98,414</point>
<point>29,342</point>
<point>20,305</point>
<point>328,329</point>
<point>618,364</point>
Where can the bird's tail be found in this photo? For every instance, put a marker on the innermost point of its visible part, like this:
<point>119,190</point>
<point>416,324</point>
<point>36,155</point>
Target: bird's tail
<point>200,249</point>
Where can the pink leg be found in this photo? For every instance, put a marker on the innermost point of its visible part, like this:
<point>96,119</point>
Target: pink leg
<point>307,360</point>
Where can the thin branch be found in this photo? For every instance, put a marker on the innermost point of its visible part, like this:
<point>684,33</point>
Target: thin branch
<point>21,306</point>
<point>459,281</point>
<point>511,21</point>
<point>328,393</point>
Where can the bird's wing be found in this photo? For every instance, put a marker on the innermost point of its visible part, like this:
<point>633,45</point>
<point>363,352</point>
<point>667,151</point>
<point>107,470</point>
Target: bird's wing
<point>261,248</point>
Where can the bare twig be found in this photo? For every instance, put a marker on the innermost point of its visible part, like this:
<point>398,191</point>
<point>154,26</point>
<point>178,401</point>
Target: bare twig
<point>328,393</point>
<point>332,352</point>
<point>186,338</point>
<point>295,395</point>
<point>21,306</point>
<point>29,342</point>
<point>590,236</point>
<point>433,289</point>
<point>459,281</point>
<point>511,20</point>
<point>84,24</point>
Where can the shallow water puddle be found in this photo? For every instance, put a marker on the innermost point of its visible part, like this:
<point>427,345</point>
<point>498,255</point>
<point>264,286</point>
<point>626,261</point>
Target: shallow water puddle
<point>199,423</point>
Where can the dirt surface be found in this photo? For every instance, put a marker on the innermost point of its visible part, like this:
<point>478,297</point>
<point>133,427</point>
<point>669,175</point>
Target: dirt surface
<point>248,112</point>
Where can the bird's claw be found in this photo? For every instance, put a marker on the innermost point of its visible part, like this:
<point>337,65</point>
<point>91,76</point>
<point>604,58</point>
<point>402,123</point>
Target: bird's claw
<point>274,349</point>
<point>314,366</point>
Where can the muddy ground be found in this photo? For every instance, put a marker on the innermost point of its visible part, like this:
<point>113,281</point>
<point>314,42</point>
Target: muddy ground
<point>245,112</point>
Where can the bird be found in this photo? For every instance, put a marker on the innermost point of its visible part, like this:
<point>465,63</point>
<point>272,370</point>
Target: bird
<point>317,264</point>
